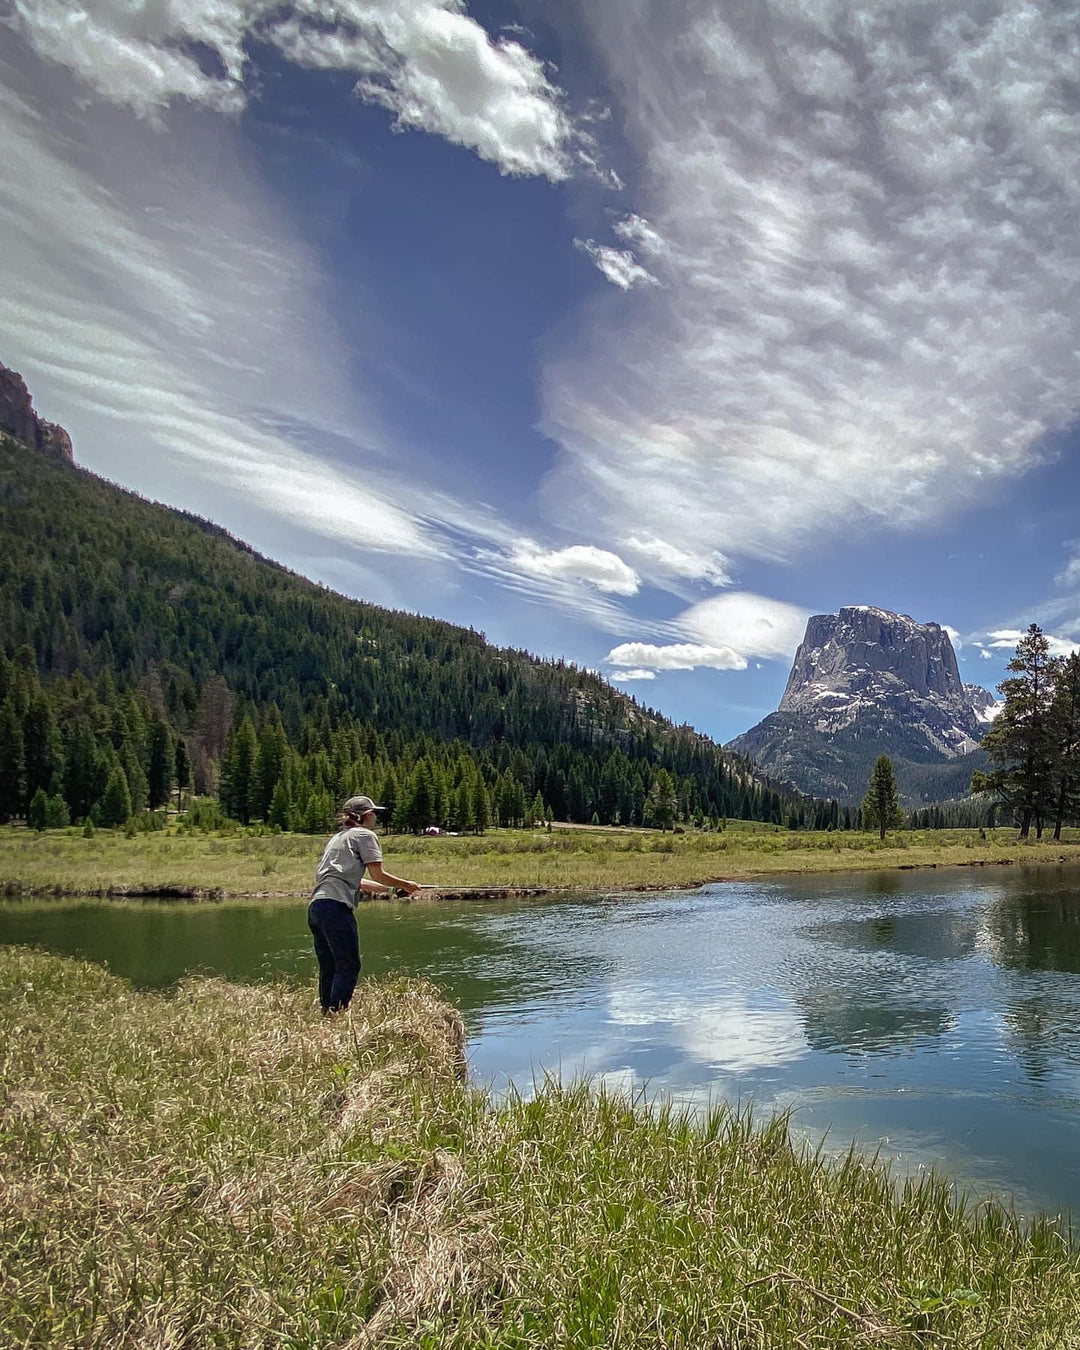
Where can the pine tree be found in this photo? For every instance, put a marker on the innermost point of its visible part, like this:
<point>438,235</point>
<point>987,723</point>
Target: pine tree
<point>57,816</point>
<point>236,787</point>
<point>160,766</point>
<point>82,772</point>
<point>881,808</point>
<point>181,771</point>
<point>36,811</point>
<point>419,807</point>
<point>11,762</point>
<point>662,802</point>
<point>42,747</point>
<point>115,807</point>
<point>388,797</point>
<point>1065,738</point>
<point>463,817</point>
<point>280,811</point>
<point>1019,742</point>
<point>269,761</point>
<point>481,805</point>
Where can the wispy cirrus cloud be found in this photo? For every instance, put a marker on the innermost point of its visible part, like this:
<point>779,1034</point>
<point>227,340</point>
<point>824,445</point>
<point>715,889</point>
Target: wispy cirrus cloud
<point>428,62</point>
<point>617,264</point>
<point>866,315</point>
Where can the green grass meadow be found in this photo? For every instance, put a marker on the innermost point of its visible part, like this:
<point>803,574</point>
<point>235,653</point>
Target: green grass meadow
<point>253,862</point>
<point>220,1167</point>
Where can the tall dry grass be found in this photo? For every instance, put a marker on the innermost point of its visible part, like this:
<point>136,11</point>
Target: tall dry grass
<point>222,1168</point>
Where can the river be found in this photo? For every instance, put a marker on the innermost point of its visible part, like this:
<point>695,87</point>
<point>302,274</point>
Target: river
<point>934,1015</point>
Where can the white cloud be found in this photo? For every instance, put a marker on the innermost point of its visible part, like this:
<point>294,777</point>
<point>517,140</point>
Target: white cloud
<point>633,675</point>
<point>639,234</point>
<point>667,559</point>
<point>1007,638</point>
<point>1069,576</point>
<point>954,636</point>
<point>867,313</point>
<point>580,562</point>
<point>752,625</point>
<point>426,61</point>
<point>733,1032</point>
<point>617,264</point>
<point>985,655</point>
<point>144,301</point>
<point>673,656</point>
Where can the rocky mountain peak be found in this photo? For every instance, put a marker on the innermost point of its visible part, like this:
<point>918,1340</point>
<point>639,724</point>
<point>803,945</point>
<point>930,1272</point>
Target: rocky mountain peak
<point>866,681</point>
<point>18,419</point>
<point>861,647</point>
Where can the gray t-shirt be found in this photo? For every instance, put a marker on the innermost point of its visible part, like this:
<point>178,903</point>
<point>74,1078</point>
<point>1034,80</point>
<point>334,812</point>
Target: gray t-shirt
<point>343,863</point>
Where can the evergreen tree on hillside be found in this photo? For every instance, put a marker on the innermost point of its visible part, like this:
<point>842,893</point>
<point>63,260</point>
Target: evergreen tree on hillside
<point>1064,720</point>
<point>268,766</point>
<point>115,806</point>
<point>881,808</point>
<point>237,780</point>
<point>160,767</point>
<point>11,762</point>
<point>181,771</point>
<point>662,802</point>
<point>120,617</point>
<point>1019,743</point>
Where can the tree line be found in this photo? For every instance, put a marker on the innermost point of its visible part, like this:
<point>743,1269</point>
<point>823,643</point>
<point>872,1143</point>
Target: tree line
<point>147,653</point>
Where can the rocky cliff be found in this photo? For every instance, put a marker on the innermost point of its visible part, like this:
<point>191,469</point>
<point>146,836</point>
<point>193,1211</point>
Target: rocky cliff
<point>18,419</point>
<point>867,682</point>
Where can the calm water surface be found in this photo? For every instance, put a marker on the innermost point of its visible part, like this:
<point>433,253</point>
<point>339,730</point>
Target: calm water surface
<point>936,1014</point>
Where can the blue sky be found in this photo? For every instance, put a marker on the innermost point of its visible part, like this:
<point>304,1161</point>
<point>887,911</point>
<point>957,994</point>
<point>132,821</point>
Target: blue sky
<point>631,332</point>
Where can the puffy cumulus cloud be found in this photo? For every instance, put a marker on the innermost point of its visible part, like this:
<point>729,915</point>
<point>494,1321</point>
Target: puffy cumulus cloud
<point>426,61</point>
<point>617,264</point>
<point>954,636</point>
<point>633,675</point>
<point>1007,638</point>
<point>580,562</point>
<point>672,656</point>
<point>867,312</point>
<point>752,625</point>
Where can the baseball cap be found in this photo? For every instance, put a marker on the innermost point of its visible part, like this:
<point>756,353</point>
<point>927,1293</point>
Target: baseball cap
<point>358,805</point>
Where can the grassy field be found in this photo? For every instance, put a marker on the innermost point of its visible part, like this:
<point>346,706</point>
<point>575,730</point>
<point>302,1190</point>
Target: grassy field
<point>223,1168</point>
<point>596,859</point>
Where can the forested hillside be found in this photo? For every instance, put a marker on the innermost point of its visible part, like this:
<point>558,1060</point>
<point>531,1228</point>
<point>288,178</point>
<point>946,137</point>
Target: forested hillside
<point>145,650</point>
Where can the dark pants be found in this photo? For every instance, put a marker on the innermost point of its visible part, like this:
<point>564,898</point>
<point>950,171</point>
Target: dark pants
<point>337,946</point>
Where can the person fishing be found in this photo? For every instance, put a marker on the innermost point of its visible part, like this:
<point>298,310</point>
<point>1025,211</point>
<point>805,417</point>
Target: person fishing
<point>339,881</point>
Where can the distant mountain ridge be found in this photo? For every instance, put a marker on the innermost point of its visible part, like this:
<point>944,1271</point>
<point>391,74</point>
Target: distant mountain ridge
<point>866,681</point>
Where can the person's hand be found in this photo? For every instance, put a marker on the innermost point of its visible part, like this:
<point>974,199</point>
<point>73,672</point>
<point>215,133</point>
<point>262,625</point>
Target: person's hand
<point>409,887</point>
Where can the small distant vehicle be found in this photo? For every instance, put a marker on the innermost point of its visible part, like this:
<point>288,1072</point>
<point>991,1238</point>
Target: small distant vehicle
<point>433,829</point>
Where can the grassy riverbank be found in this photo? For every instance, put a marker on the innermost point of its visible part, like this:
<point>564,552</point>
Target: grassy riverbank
<point>223,1168</point>
<point>595,859</point>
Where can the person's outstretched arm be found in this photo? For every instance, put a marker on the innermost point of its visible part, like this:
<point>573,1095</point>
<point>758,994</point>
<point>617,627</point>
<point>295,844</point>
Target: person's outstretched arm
<point>379,873</point>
